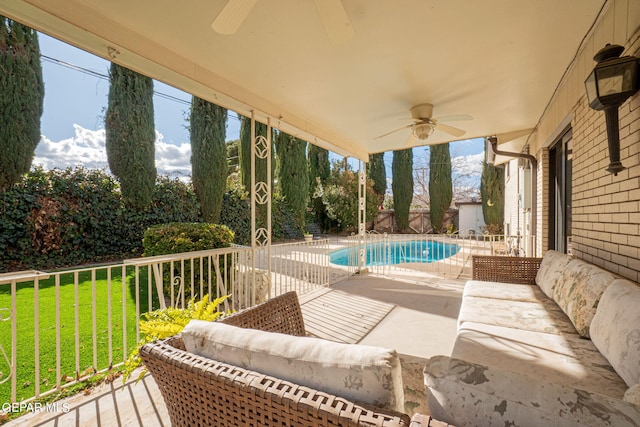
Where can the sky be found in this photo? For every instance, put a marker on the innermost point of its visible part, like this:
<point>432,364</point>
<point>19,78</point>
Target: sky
<point>72,125</point>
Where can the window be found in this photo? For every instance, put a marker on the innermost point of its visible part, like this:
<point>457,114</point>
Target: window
<point>560,173</point>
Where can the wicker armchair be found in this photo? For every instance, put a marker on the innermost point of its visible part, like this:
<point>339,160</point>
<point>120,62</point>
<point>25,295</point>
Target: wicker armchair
<point>203,392</point>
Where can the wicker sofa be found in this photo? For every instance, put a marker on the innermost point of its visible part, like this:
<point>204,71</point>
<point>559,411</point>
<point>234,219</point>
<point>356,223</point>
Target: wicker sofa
<point>201,391</point>
<point>552,341</point>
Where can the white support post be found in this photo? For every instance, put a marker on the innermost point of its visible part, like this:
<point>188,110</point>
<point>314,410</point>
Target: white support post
<point>362,217</point>
<point>260,195</point>
<point>252,193</point>
<point>269,192</point>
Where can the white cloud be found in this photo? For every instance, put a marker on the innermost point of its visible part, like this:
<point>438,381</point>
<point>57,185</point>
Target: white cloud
<point>87,149</point>
<point>172,160</point>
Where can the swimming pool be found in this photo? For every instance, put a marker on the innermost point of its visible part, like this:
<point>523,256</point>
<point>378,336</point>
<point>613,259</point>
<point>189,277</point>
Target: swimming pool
<point>422,251</point>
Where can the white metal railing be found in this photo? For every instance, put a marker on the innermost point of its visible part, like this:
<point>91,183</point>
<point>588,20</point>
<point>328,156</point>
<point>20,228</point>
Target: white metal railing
<point>447,255</point>
<point>64,327</point>
<point>299,266</point>
<point>215,272</point>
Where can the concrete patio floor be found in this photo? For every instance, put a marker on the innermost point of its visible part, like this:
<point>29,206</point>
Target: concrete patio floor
<point>414,314</point>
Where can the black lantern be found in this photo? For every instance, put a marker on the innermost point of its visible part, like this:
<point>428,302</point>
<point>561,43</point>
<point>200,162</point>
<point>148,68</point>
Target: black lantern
<point>612,81</point>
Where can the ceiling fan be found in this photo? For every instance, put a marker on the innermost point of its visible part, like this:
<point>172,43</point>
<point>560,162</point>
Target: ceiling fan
<point>423,125</point>
<point>332,14</point>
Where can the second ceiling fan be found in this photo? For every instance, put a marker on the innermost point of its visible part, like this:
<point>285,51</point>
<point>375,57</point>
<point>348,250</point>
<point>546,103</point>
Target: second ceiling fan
<point>334,18</point>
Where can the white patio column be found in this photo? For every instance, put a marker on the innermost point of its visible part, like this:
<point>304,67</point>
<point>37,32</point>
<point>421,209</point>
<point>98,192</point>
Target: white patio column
<point>260,195</point>
<point>362,217</point>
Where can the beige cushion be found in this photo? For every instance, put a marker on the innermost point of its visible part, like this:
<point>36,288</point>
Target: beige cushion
<point>359,373</point>
<point>463,393</point>
<point>561,359</point>
<point>503,291</point>
<point>542,316</point>
<point>633,395</point>
<point>579,292</point>
<point>551,270</point>
<point>615,329</point>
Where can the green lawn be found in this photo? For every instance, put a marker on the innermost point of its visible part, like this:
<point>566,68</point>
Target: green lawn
<point>69,294</point>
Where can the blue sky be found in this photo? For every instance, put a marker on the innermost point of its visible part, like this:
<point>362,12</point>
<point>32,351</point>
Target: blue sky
<point>76,90</point>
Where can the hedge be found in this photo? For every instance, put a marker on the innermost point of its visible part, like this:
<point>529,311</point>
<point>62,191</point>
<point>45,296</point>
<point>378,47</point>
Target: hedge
<point>60,218</point>
<point>177,237</point>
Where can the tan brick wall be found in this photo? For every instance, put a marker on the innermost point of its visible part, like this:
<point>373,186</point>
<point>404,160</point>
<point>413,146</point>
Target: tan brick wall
<point>542,229</point>
<point>606,208</point>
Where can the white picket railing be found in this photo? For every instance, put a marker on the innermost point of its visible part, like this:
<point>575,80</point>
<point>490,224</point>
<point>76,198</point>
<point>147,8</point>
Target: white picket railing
<point>64,327</point>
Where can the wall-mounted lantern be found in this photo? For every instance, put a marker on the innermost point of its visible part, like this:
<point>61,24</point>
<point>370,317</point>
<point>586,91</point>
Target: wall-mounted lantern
<point>612,81</point>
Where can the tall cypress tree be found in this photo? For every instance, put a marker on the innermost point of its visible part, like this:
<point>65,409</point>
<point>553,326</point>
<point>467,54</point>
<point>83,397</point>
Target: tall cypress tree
<point>440,185</point>
<point>21,99</point>
<point>402,186</point>
<point>319,168</point>
<point>378,174</point>
<point>293,177</point>
<point>130,135</point>
<point>208,156</point>
<point>492,194</point>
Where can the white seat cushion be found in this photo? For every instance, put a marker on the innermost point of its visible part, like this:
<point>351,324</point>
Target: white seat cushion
<point>563,359</point>
<point>499,290</point>
<point>615,329</point>
<point>551,270</point>
<point>543,316</point>
<point>365,374</point>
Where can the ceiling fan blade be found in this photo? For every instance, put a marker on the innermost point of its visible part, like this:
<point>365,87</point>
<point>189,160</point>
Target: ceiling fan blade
<point>232,16</point>
<point>393,131</point>
<point>335,21</point>
<point>457,118</point>
<point>450,129</point>
<point>411,141</point>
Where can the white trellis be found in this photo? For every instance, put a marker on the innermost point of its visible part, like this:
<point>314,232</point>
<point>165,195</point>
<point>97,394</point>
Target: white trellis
<point>362,217</point>
<point>260,196</point>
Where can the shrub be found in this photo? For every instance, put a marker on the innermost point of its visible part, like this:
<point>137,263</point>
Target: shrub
<point>236,214</point>
<point>180,237</point>
<point>283,221</point>
<point>176,238</point>
<point>167,322</point>
<point>340,197</point>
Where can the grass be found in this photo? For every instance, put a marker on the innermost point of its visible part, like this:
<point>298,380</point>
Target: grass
<point>76,306</point>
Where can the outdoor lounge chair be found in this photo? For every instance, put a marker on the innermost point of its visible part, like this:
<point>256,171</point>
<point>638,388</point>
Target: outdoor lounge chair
<point>201,391</point>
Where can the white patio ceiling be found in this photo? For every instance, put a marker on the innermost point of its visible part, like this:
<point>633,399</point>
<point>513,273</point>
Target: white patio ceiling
<point>496,60</point>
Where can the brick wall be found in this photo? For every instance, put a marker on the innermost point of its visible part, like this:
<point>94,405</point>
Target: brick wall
<point>606,208</point>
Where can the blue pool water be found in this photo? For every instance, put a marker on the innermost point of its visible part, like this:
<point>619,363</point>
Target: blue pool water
<point>396,253</point>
